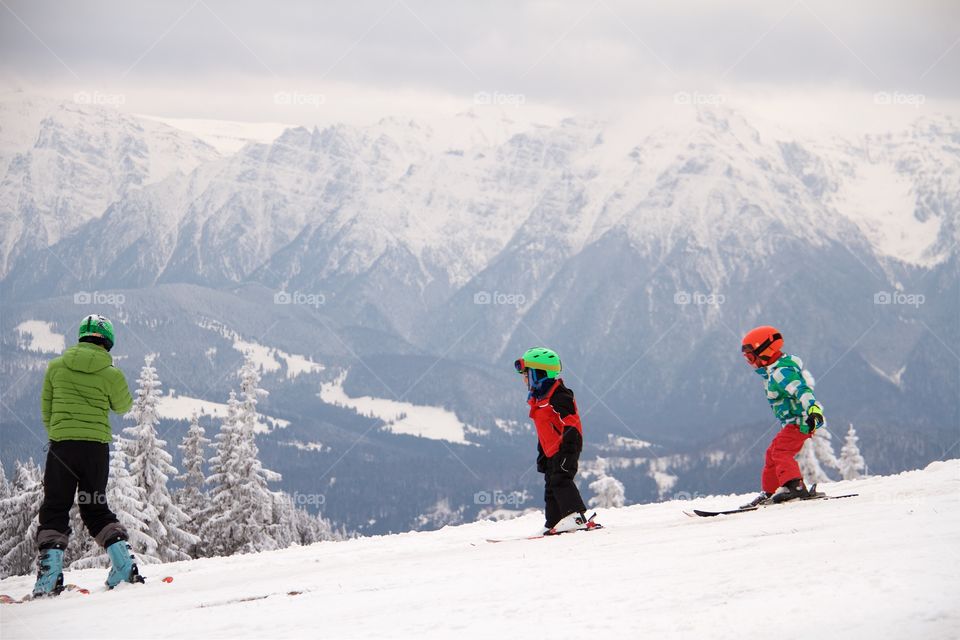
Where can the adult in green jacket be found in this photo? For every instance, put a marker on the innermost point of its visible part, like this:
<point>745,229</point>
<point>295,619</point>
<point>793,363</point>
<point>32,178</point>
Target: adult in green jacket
<point>80,389</point>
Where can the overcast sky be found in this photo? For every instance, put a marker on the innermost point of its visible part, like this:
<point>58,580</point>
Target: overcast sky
<point>303,61</point>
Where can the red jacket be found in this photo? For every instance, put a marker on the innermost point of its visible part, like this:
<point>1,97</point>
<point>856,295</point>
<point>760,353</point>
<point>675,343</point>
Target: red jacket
<point>553,413</point>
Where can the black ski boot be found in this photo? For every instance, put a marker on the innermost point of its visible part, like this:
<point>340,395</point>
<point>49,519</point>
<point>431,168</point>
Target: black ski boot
<point>792,490</point>
<point>756,502</point>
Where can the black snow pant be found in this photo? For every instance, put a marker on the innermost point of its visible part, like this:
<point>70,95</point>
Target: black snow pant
<point>77,468</point>
<point>561,494</point>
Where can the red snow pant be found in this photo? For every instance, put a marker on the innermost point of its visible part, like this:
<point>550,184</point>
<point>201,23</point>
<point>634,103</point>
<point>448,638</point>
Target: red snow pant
<point>780,465</point>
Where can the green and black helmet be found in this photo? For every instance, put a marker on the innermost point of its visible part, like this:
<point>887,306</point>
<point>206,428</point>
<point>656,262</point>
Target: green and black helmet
<point>540,358</point>
<point>98,329</point>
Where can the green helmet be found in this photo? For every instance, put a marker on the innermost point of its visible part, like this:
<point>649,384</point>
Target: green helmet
<point>540,358</point>
<point>97,326</point>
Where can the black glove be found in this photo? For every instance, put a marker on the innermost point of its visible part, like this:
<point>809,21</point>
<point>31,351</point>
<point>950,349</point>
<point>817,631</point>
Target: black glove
<point>541,460</point>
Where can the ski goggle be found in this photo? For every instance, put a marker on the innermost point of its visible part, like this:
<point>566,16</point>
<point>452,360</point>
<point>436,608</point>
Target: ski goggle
<point>755,355</point>
<point>522,366</point>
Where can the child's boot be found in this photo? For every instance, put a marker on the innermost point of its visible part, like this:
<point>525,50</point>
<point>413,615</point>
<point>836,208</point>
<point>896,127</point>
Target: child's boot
<point>792,490</point>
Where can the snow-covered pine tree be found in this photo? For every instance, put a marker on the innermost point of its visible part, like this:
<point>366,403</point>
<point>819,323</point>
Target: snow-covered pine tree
<point>150,469</point>
<point>277,531</point>
<point>852,464</point>
<point>18,528</point>
<point>192,498</point>
<point>817,452</point>
<point>311,528</point>
<point>296,525</point>
<point>608,492</point>
<point>218,531</point>
<point>244,515</point>
<point>127,500</point>
<point>4,484</point>
<point>285,519</point>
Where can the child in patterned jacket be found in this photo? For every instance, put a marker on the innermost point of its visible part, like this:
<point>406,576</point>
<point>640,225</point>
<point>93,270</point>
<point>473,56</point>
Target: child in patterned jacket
<point>790,395</point>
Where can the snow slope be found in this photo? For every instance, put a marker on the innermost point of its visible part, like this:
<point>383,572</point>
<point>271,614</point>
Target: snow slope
<point>882,565</point>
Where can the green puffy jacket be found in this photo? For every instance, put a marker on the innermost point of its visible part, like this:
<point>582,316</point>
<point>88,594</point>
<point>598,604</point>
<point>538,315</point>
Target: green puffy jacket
<point>79,390</point>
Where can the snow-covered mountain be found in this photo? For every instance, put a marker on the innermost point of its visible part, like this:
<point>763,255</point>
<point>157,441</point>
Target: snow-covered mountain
<point>880,565</point>
<point>419,259</point>
<point>64,163</point>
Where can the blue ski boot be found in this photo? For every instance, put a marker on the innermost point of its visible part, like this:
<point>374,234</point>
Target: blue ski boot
<point>50,573</point>
<point>123,568</point>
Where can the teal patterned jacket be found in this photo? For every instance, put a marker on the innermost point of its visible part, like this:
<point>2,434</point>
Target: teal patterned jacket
<point>789,390</point>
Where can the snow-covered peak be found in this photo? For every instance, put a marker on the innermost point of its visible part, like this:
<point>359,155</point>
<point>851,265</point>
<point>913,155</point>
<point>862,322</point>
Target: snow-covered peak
<point>64,163</point>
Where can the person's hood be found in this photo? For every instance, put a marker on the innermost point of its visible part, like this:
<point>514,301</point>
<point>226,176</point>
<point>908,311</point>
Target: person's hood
<point>86,358</point>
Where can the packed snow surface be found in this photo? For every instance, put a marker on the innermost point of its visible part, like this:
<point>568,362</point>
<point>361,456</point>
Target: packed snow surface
<point>37,335</point>
<point>881,565</point>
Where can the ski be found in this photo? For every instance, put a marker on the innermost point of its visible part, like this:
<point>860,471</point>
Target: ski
<point>710,514</point>
<point>543,535</point>
<point>74,588</point>
<point>6,599</point>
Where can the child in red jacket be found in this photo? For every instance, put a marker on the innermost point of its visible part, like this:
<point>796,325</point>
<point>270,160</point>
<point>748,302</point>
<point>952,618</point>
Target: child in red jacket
<point>560,434</point>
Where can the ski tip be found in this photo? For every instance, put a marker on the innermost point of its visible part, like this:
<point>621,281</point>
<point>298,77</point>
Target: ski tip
<point>167,579</point>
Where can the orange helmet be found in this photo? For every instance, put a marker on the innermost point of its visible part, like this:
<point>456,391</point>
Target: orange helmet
<point>761,346</point>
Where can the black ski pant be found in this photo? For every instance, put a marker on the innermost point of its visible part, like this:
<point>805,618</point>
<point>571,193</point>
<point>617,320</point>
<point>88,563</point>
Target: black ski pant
<point>561,494</point>
<point>76,468</point>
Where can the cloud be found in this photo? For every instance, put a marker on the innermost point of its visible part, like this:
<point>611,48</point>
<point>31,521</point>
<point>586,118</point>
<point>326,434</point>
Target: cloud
<point>577,55</point>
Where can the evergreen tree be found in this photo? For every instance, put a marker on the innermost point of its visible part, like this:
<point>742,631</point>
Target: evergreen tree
<point>816,452</point>
<point>18,527</point>
<point>127,500</point>
<point>218,530</point>
<point>608,492</point>
<point>192,497</point>
<point>244,515</point>
<point>852,464</point>
<point>151,467</point>
<point>4,484</point>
